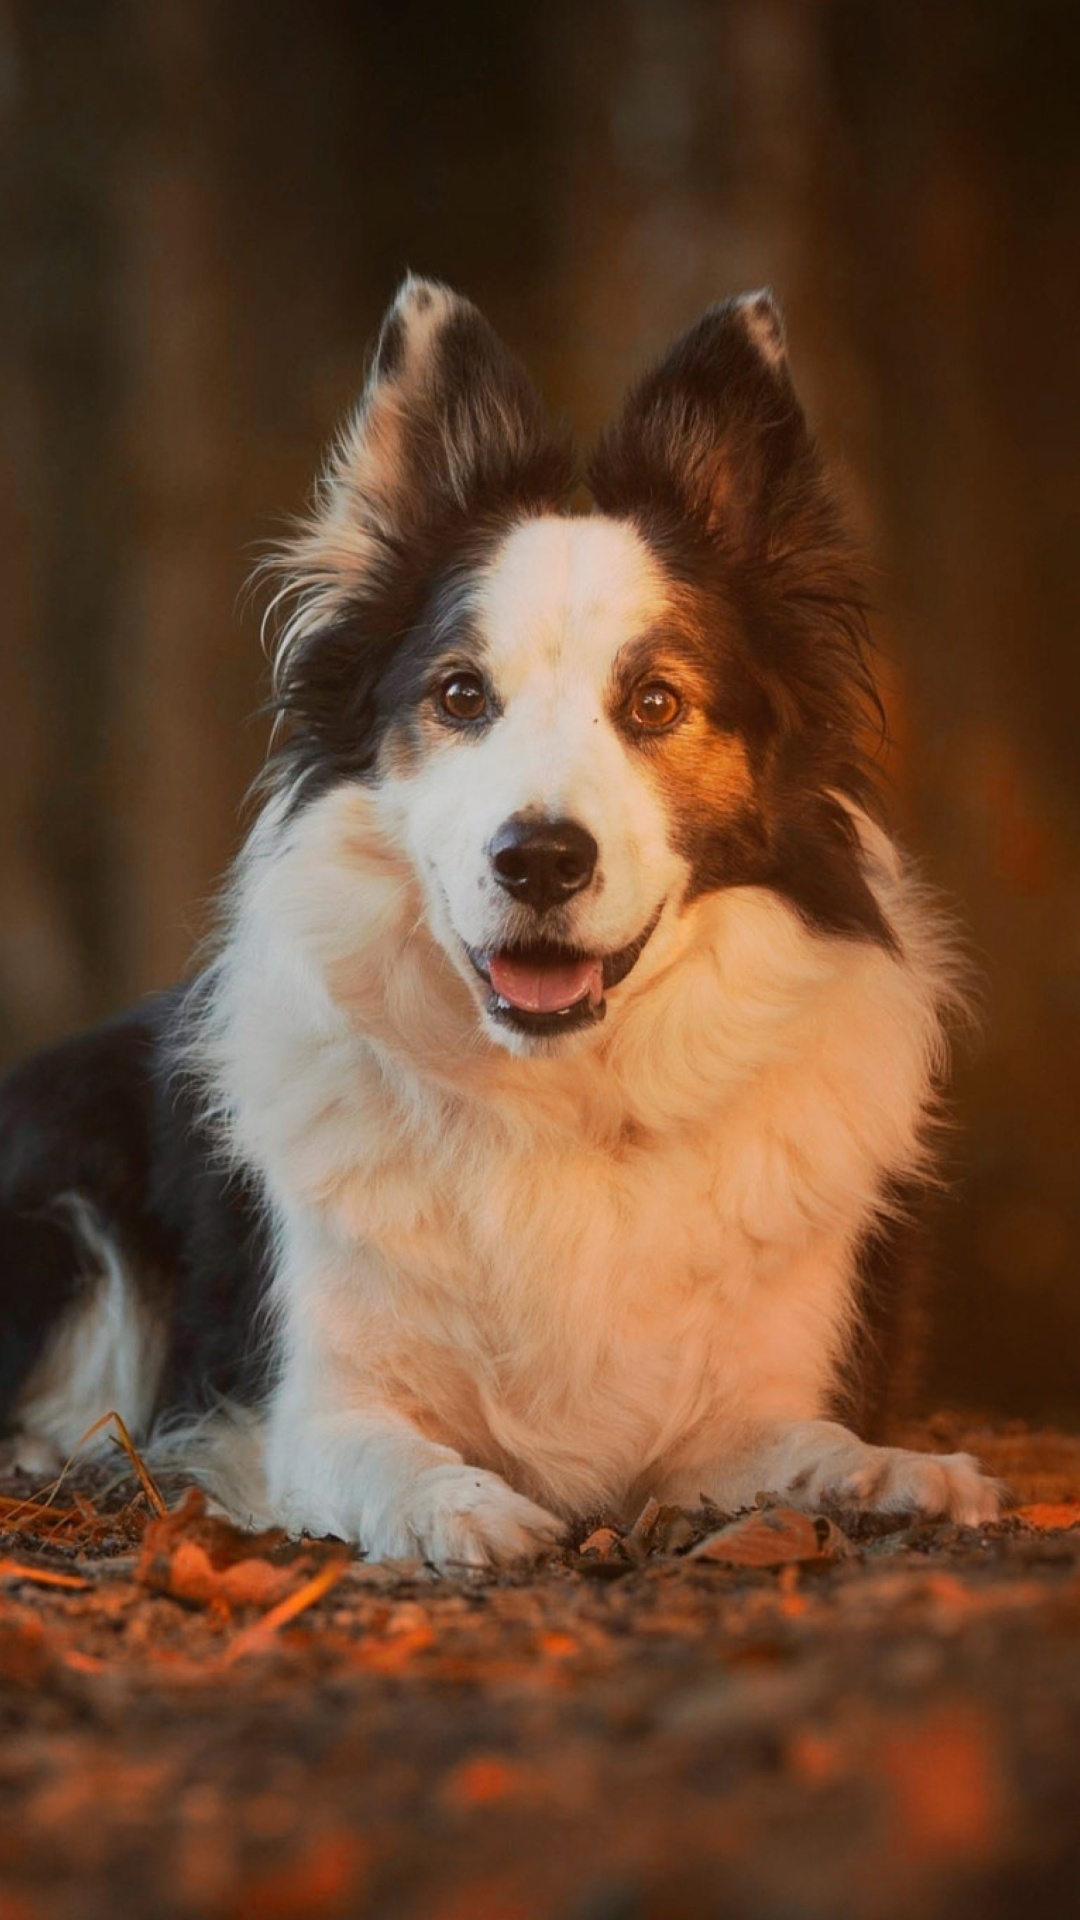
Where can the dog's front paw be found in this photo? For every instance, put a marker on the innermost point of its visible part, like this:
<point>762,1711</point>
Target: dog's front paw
<point>848,1472</point>
<point>32,1454</point>
<point>464,1516</point>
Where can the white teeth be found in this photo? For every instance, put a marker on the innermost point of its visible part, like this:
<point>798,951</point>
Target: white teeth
<point>499,1004</point>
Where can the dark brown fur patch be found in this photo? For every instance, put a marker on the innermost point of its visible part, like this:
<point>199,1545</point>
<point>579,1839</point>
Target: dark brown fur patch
<point>713,462</point>
<point>878,1390</point>
<point>701,767</point>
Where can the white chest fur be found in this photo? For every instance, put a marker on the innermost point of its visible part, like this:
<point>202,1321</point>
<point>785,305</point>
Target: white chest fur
<point>572,1316</point>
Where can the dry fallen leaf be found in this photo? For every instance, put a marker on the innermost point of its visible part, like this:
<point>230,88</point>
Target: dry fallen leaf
<point>673,1531</point>
<point>644,1526</point>
<point>205,1562</point>
<point>773,1537</point>
<point>193,1577</point>
<point>601,1544</point>
<point>658,1529</point>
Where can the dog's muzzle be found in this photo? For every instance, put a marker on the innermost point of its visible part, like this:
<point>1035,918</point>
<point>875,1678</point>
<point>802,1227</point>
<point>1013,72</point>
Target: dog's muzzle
<point>542,988</point>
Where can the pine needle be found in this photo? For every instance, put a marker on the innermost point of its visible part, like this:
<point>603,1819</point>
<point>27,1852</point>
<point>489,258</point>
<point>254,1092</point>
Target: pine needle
<point>21,1516</point>
<point>42,1576</point>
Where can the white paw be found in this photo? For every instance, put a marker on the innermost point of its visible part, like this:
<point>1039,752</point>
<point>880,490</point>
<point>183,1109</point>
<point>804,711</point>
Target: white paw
<point>850,1473</point>
<point>464,1516</point>
<point>30,1453</point>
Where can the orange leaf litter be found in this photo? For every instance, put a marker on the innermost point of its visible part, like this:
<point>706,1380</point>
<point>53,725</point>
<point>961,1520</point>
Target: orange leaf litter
<point>254,1637</point>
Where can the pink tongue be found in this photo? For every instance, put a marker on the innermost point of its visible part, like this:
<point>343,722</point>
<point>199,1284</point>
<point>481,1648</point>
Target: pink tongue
<point>550,989</point>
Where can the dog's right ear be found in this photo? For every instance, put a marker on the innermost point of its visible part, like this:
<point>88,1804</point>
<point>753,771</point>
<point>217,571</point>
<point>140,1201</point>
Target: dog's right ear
<point>713,434</point>
<point>449,433</point>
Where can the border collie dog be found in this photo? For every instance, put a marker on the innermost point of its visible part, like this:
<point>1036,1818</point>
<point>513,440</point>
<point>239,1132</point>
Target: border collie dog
<point>546,1131</point>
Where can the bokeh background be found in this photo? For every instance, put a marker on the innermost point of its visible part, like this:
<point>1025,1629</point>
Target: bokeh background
<point>206,204</point>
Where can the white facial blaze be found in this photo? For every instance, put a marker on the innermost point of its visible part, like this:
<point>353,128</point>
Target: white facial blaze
<point>557,604</point>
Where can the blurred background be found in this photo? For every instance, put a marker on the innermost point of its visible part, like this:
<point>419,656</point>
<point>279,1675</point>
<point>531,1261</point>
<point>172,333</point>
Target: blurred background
<point>207,203</point>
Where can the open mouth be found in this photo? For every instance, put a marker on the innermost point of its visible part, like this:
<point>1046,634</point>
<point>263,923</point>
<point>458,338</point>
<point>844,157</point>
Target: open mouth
<point>544,988</point>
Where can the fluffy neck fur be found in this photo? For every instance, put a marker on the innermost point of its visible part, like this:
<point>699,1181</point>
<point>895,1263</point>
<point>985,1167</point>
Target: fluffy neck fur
<point>334,1020</point>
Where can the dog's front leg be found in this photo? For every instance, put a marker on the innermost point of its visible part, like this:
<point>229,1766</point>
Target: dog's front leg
<point>815,1463</point>
<point>370,1476</point>
<point>343,1456</point>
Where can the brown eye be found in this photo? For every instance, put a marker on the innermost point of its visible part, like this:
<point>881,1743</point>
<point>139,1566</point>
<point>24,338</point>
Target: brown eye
<point>654,706</point>
<point>463,697</point>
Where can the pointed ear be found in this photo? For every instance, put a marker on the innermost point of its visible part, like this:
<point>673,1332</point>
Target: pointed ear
<point>449,419</point>
<point>714,433</point>
<point>448,433</point>
<point>713,459</point>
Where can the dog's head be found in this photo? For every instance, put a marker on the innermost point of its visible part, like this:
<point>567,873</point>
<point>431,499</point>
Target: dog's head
<point>580,725</point>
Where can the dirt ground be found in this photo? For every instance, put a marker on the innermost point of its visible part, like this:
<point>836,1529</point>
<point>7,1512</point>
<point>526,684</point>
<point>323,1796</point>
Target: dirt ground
<point>772,1718</point>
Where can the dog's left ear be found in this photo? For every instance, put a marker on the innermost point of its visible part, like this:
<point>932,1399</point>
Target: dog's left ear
<point>448,435</point>
<point>714,433</point>
<point>449,422</point>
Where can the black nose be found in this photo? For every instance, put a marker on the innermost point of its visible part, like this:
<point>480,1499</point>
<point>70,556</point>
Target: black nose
<point>542,862</point>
